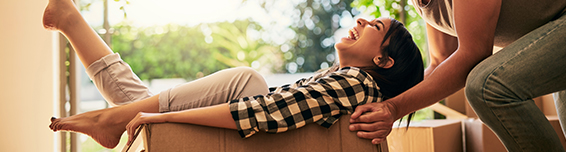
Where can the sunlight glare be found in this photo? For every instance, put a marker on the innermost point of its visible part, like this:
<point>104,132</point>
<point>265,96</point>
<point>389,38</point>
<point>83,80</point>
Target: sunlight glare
<point>190,12</point>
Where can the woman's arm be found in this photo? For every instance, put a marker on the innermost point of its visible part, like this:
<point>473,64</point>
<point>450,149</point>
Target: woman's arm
<point>214,116</point>
<point>475,23</point>
<point>321,101</point>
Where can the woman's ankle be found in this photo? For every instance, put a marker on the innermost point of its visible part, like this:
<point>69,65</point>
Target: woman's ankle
<point>60,14</point>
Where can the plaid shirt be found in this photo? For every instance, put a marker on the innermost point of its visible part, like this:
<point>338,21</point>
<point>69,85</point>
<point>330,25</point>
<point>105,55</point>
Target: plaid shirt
<point>322,98</point>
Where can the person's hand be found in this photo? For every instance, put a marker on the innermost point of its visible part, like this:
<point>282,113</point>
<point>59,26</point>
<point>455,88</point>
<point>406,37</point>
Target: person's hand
<point>139,119</point>
<point>373,121</point>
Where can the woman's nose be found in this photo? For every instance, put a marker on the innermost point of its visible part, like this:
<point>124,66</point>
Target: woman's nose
<point>361,22</point>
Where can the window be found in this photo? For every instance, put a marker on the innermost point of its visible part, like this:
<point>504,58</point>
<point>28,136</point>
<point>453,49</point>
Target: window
<point>182,40</point>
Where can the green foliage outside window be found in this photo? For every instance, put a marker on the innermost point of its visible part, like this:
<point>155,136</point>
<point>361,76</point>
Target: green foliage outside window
<point>313,46</point>
<point>174,51</point>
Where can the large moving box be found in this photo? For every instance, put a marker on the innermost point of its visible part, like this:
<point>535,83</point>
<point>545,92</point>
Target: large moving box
<point>173,137</point>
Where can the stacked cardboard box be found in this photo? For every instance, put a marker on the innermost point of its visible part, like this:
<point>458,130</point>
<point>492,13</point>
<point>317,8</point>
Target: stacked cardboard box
<point>479,138</point>
<point>427,136</point>
<point>470,135</point>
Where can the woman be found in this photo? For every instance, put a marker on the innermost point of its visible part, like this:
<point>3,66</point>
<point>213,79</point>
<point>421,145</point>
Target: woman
<point>499,87</point>
<point>377,60</point>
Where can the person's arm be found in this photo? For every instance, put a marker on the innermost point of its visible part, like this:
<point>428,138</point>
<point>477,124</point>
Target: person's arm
<point>475,23</point>
<point>440,46</point>
<point>214,116</point>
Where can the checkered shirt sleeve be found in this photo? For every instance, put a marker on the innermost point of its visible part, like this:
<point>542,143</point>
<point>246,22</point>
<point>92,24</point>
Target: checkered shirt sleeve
<point>321,100</point>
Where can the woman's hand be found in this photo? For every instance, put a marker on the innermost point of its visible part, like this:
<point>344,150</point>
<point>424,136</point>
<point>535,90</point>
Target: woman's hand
<point>142,118</point>
<point>373,121</point>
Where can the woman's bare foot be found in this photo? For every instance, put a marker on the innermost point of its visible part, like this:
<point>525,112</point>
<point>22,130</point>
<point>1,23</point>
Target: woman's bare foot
<point>57,13</point>
<point>100,125</point>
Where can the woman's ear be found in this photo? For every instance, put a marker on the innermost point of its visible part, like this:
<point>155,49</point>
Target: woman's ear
<point>386,65</point>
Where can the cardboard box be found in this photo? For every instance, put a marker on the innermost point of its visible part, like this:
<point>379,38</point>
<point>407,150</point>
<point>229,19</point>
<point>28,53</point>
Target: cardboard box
<point>172,137</point>
<point>479,138</point>
<point>548,106</point>
<point>556,125</point>
<point>427,136</point>
<point>457,101</point>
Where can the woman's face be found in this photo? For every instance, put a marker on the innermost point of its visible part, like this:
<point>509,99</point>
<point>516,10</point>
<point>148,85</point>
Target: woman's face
<point>363,43</point>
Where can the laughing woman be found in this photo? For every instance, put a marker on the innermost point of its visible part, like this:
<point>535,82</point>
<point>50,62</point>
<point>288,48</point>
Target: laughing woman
<point>377,60</point>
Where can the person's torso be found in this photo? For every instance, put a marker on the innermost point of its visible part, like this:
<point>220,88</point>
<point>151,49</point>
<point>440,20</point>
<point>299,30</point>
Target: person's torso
<point>516,18</point>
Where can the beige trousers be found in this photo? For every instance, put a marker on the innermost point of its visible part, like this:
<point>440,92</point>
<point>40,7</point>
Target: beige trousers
<point>119,85</point>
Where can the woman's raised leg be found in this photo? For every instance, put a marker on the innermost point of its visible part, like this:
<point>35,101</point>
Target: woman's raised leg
<point>63,16</point>
<point>113,77</point>
<point>105,126</point>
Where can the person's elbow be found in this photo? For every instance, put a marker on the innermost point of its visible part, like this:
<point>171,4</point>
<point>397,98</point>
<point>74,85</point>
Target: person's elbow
<point>434,62</point>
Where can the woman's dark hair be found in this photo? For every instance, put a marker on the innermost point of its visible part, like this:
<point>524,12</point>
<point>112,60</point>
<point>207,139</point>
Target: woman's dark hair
<point>408,68</point>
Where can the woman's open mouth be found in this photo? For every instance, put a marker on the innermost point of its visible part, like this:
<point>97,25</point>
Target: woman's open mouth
<point>353,34</point>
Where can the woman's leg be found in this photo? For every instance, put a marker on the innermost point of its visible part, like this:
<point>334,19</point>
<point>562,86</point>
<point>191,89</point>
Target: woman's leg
<point>107,70</point>
<point>116,81</point>
<point>107,125</point>
<point>217,88</point>
<point>501,88</point>
<point>63,16</point>
<point>113,77</point>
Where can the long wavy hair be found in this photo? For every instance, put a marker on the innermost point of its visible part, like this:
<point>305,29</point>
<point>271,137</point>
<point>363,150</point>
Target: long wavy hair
<point>407,70</point>
<point>408,67</point>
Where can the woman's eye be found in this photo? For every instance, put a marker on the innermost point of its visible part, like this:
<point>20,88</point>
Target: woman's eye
<point>377,27</point>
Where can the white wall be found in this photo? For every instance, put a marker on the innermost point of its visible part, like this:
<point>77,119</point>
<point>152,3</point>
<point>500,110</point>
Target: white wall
<point>26,77</point>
